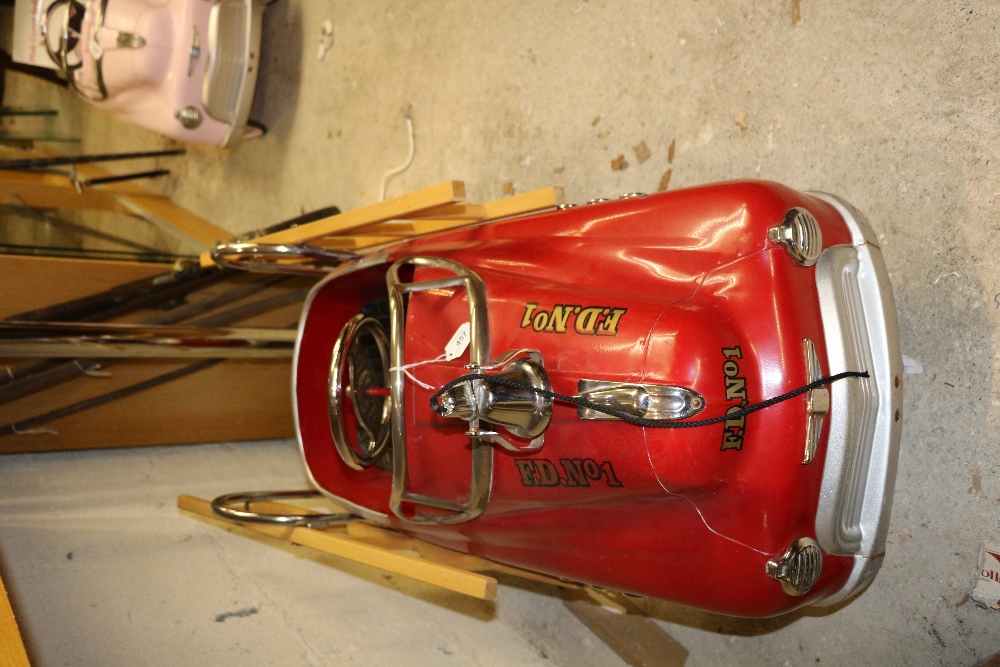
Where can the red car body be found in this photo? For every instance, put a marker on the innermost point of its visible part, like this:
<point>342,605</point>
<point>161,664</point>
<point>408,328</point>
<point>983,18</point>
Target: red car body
<point>692,289</point>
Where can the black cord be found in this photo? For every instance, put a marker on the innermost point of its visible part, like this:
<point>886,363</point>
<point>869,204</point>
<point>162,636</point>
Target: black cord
<point>639,421</point>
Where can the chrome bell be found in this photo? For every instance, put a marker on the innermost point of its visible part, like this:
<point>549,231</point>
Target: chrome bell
<point>504,399</point>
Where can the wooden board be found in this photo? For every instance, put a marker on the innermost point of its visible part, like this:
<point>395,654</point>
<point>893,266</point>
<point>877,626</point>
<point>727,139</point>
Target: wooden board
<point>398,207</point>
<point>12,651</point>
<point>337,542</point>
<point>49,190</point>
<point>384,549</point>
<point>426,211</point>
<point>627,631</point>
<point>231,401</point>
<point>38,282</point>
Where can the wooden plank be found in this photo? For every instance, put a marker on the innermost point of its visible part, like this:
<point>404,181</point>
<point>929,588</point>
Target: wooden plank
<point>44,190</point>
<point>174,219</point>
<point>398,207</point>
<point>991,662</point>
<point>234,400</point>
<point>353,242</point>
<point>448,217</point>
<point>461,211</point>
<point>378,535</point>
<point>636,639</point>
<point>12,651</point>
<point>398,228</point>
<point>49,190</point>
<point>536,200</point>
<point>337,543</point>
<point>30,282</point>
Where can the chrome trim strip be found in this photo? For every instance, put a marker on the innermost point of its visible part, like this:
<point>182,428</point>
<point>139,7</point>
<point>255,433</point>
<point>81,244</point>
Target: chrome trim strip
<point>860,325</point>
<point>817,402</point>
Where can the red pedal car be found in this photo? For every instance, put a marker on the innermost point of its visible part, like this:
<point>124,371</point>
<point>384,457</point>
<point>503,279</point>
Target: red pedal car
<point>692,396</point>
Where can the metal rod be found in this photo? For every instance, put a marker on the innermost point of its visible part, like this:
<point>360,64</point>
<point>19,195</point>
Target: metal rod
<point>125,298</point>
<point>110,341</point>
<point>156,173</point>
<point>40,163</point>
<point>29,378</point>
<point>33,422</point>
<point>38,215</point>
<point>44,376</point>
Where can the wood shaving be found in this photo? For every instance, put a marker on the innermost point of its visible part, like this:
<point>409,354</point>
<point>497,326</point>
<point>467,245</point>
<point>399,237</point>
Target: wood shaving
<point>641,151</point>
<point>597,119</point>
<point>741,121</point>
<point>507,188</point>
<point>665,181</point>
<point>619,163</point>
<point>558,170</point>
<point>670,151</point>
<point>977,483</point>
<point>603,133</point>
<point>796,12</point>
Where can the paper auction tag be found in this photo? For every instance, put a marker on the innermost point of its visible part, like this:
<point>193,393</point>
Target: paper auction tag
<point>987,590</point>
<point>456,346</point>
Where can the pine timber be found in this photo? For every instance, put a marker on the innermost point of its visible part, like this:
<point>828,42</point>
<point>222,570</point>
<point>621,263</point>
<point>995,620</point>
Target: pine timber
<point>384,549</point>
<point>12,651</point>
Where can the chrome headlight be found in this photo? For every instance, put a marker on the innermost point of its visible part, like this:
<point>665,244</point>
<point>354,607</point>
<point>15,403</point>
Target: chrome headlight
<point>800,234</point>
<point>799,568</point>
<point>189,117</point>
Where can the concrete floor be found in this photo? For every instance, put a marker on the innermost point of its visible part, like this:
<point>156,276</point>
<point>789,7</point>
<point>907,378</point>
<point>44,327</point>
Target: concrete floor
<point>893,105</point>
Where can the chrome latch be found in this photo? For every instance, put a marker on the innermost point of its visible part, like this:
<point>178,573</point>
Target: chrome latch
<point>525,414</point>
<point>644,401</point>
<point>195,52</point>
<point>128,40</point>
<point>799,567</point>
<point>817,402</point>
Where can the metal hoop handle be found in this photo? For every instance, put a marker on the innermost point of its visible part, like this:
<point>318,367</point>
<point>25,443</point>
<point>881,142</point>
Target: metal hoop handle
<point>479,354</point>
<point>267,257</point>
<point>222,507</point>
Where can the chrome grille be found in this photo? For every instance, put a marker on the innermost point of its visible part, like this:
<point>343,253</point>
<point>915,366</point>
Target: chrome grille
<point>863,405</point>
<point>228,56</point>
<point>853,404</point>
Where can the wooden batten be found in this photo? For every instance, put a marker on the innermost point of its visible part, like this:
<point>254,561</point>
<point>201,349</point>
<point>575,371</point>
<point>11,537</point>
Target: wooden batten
<point>230,401</point>
<point>12,651</point>
<point>384,549</point>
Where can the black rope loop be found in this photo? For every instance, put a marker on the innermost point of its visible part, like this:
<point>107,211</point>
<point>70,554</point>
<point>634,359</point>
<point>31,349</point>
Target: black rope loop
<point>639,421</point>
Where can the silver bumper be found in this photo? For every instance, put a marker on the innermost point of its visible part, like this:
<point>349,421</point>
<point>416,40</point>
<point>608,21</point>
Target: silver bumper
<point>234,36</point>
<point>861,332</point>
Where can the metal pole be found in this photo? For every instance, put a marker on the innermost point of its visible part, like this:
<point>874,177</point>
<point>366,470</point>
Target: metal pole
<point>112,341</point>
<point>41,163</point>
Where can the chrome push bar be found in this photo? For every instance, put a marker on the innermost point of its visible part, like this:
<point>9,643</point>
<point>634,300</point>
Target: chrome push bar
<point>479,355</point>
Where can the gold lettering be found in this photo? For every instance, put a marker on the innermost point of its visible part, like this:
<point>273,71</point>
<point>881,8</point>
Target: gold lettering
<point>610,325</point>
<point>559,319</point>
<point>529,308</point>
<point>736,388</point>
<point>586,321</point>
